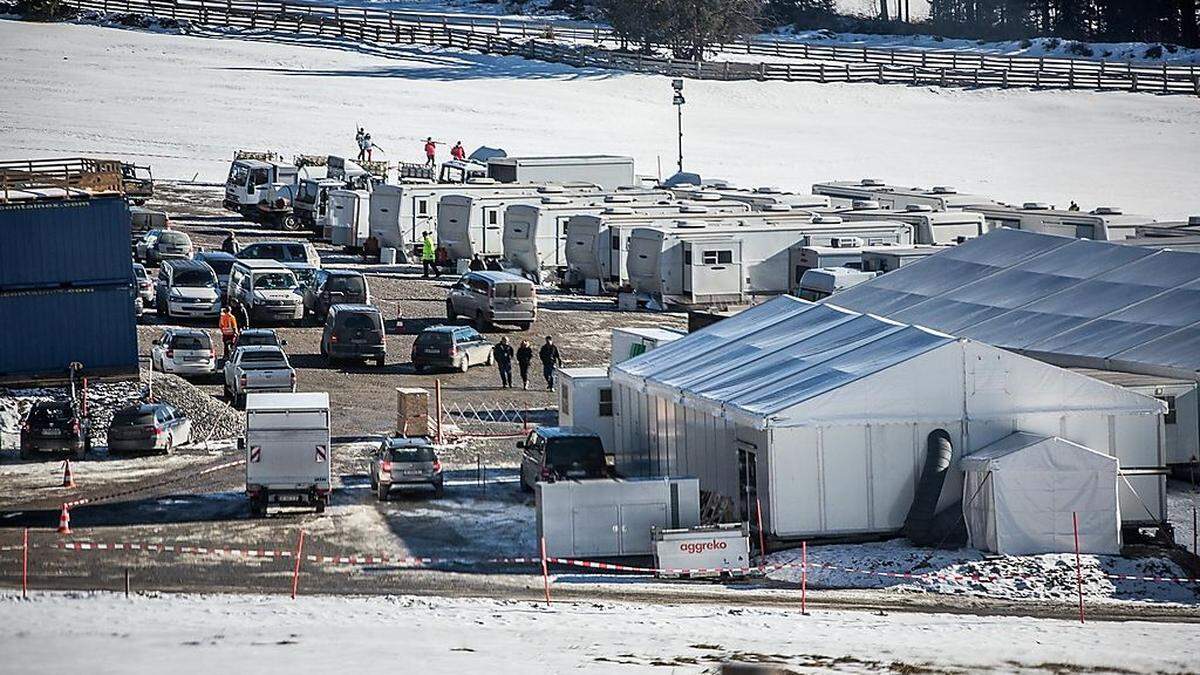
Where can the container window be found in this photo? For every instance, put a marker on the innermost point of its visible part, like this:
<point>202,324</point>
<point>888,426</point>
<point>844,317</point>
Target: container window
<point>723,257</point>
<point>606,402</point>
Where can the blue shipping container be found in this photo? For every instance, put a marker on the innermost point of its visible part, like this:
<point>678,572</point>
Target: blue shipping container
<point>64,243</point>
<point>43,330</point>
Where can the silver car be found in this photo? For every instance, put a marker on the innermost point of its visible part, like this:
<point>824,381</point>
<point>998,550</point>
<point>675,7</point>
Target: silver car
<point>184,351</point>
<point>405,462</point>
<point>489,298</point>
<point>160,245</point>
<point>149,427</point>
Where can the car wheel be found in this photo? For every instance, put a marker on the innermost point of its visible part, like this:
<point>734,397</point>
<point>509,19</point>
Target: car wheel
<point>290,223</point>
<point>380,361</point>
<point>381,492</point>
<point>450,315</point>
<point>464,364</point>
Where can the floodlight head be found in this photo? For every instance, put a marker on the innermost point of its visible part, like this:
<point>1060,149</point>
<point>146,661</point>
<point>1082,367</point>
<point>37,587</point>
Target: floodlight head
<point>677,85</point>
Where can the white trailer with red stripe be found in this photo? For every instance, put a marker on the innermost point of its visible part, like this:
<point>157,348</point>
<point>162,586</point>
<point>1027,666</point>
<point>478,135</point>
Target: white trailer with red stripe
<point>287,450</point>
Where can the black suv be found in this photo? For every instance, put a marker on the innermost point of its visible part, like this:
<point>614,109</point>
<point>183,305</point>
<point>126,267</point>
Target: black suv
<point>354,332</point>
<point>333,287</point>
<point>555,453</point>
<point>55,427</point>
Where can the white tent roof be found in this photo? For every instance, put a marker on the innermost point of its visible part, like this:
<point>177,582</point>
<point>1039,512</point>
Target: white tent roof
<point>1053,453</point>
<point>1072,302</point>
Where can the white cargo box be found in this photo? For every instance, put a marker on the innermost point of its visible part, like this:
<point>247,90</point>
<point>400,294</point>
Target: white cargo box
<point>287,442</point>
<point>607,518</point>
<point>707,551</point>
<point>631,341</point>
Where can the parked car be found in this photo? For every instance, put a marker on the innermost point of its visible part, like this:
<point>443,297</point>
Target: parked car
<point>354,332</point>
<point>142,220</point>
<point>159,245</point>
<point>488,298</point>
<point>221,263</point>
<point>55,427</point>
<point>283,251</point>
<point>184,351</point>
<point>331,287</point>
<point>306,275</point>
<point>187,289</point>
<point>149,427</point>
<point>257,370</point>
<point>556,453</point>
<point>405,462</point>
<point>455,347</point>
<point>257,337</point>
<point>264,290</point>
<point>145,287</point>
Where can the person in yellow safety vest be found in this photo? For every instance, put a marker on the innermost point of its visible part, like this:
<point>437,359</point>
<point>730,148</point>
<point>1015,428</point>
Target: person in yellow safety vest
<point>229,329</point>
<point>428,257</point>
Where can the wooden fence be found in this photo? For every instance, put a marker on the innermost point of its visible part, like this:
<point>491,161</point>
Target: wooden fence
<point>596,47</point>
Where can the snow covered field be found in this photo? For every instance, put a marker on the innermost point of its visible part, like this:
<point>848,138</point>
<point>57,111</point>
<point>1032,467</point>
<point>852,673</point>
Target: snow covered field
<point>67,632</point>
<point>185,103</point>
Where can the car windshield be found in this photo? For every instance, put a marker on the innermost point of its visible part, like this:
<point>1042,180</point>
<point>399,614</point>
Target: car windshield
<point>220,265</point>
<point>433,339</point>
<point>194,278</point>
<point>133,416</point>
<point>421,454</point>
<point>513,290</point>
<point>584,451</point>
<point>174,238</point>
<point>275,281</point>
<point>294,252</point>
<point>55,412</point>
<point>237,174</point>
<point>347,284</point>
<point>359,320</point>
<point>307,193</point>
<point>190,342</point>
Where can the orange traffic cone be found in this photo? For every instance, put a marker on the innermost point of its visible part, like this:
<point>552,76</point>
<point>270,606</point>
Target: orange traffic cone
<point>64,521</point>
<point>68,479</point>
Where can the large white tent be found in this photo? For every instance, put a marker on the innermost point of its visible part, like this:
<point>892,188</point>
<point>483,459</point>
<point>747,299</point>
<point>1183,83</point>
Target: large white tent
<point>822,415</point>
<point>1023,494</point>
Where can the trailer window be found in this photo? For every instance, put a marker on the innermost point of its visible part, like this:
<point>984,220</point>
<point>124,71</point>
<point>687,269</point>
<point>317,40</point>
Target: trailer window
<point>724,257</point>
<point>422,207</point>
<point>606,402</point>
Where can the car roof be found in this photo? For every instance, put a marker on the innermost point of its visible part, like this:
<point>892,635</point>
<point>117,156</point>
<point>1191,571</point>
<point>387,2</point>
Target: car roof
<point>263,264</point>
<point>175,330</point>
<point>186,264</point>
<point>143,408</point>
<point>564,432</point>
<point>213,255</point>
<point>343,273</point>
<point>354,307</point>
<point>408,442</point>
<point>499,276</point>
<point>261,348</point>
<point>257,331</point>
<point>277,241</point>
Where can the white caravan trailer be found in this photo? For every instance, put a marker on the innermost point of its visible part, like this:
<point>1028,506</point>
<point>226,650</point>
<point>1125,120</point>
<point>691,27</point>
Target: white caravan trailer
<point>535,234</point>
<point>930,226</point>
<point>759,199</point>
<point>1106,223</point>
<point>697,264</point>
<point>470,223</point>
<point>348,217</point>
<point>846,252</point>
<point>895,257</point>
<point>610,172</point>
<point>822,282</point>
<point>895,197</point>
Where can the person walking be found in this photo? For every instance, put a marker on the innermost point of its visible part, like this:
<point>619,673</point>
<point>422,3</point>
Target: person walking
<point>358,140</point>
<point>428,257</point>
<point>524,358</point>
<point>477,264</point>
<point>550,358</point>
<point>367,146</point>
<point>430,151</point>
<point>229,330</point>
<point>458,152</point>
<point>230,243</point>
<point>502,354</point>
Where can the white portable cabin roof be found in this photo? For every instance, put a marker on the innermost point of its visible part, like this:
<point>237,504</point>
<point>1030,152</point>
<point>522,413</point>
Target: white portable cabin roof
<point>1071,302</point>
<point>282,402</point>
<point>780,363</point>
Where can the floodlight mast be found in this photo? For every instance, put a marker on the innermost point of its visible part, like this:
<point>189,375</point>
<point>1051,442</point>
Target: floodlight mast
<point>677,85</point>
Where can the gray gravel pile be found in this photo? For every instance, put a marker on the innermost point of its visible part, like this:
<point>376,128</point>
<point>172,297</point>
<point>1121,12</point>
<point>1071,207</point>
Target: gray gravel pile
<point>211,419</point>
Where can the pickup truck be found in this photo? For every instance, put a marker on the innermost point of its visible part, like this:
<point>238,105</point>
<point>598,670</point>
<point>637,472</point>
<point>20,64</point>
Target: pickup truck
<point>257,369</point>
<point>287,450</point>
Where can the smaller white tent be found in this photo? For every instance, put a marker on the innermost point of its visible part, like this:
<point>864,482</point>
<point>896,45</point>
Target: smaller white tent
<point>1019,494</point>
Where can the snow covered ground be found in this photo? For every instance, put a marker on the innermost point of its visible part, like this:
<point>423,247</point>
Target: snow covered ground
<point>185,103</point>
<point>1182,498</point>
<point>105,633</point>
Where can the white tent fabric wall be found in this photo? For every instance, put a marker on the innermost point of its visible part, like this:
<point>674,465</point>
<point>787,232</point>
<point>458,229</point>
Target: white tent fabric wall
<point>1020,494</point>
<point>835,407</point>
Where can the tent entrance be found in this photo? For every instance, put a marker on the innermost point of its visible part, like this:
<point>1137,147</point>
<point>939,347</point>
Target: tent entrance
<point>747,484</point>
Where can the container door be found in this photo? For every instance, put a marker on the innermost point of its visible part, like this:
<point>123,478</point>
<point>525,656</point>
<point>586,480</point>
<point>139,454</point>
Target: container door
<point>688,250</point>
<point>636,521</point>
<point>493,234</point>
<point>747,485</point>
<point>596,530</point>
<point>716,269</point>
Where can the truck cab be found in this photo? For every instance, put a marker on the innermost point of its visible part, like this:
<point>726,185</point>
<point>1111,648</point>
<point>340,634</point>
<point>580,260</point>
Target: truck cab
<point>288,451</point>
<point>249,181</point>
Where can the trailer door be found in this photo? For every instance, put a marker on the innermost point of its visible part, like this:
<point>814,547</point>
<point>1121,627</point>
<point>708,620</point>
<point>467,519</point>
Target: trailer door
<point>715,269</point>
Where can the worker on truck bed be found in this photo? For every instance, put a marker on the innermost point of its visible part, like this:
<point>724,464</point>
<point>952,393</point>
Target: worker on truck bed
<point>502,354</point>
<point>457,152</point>
<point>229,330</point>
<point>430,151</point>
<point>550,358</point>
<point>428,257</point>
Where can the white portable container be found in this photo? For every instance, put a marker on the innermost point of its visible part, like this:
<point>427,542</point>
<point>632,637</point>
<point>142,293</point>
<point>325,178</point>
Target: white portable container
<point>895,197</point>
<point>1102,224</point>
<point>631,341</point>
<point>472,223</point>
<point>704,551</point>
<point>349,217</point>
<point>288,451</point>
<point>607,518</point>
<point>823,282</point>
<point>759,199</point>
<point>609,172</point>
<point>585,401</point>
<point>894,257</point>
<point>929,226</point>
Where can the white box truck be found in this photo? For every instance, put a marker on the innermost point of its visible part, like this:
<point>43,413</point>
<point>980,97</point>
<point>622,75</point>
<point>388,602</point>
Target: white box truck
<point>288,452</point>
<point>607,171</point>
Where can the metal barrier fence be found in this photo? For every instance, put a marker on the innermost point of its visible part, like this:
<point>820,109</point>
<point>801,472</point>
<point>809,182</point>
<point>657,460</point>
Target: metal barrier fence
<point>553,41</point>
